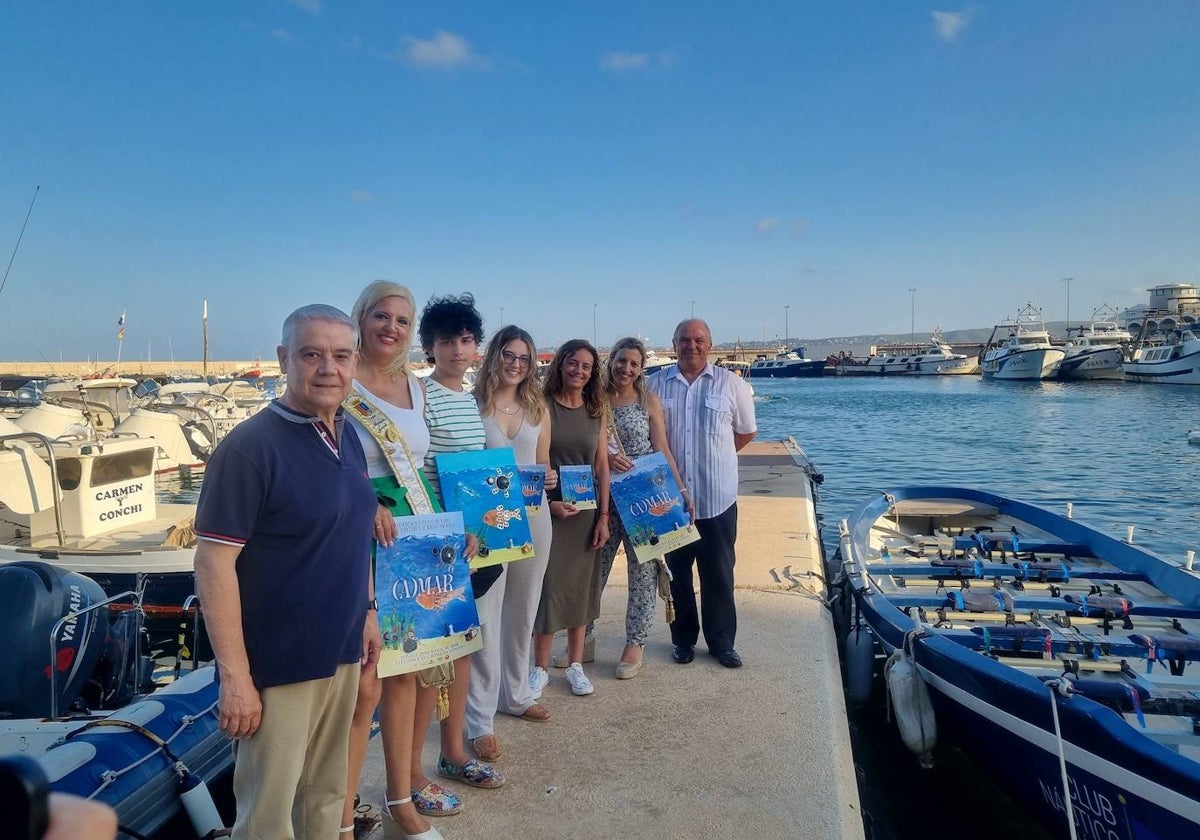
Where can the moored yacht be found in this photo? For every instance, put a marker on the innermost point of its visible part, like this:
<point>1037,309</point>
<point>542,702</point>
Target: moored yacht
<point>937,358</point>
<point>1097,352</point>
<point>1025,353</point>
<point>89,506</point>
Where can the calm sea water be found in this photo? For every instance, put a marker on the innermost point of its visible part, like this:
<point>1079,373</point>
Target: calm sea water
<point>1118,451</point>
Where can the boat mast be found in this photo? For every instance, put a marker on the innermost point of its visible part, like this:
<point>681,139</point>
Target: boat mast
<point>204,342</point>
<point>20,236</point>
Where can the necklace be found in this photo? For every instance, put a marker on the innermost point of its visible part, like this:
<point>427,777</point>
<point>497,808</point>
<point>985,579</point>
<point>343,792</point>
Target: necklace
<point>512,409</point>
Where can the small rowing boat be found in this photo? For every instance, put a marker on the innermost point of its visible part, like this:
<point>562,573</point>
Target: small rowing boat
<point>1057,655</point>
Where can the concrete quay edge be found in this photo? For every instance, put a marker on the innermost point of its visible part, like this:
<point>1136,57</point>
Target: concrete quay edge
<point>694,751</point>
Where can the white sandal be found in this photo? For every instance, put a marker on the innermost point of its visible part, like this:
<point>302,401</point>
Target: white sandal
<point>392,829</point>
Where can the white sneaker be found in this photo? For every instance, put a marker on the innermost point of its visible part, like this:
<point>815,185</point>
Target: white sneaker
<point>537,681</point>
<point>580,684</point>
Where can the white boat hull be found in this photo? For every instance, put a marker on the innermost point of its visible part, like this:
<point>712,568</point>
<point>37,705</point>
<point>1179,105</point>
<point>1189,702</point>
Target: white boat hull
<point>1033,364</point>
<point>1092,363</point>
<point>925,367</point>
<point>1182,371</point>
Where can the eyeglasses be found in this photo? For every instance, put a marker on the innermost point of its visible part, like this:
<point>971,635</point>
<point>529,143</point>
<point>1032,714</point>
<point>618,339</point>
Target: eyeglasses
<point>514,359</point>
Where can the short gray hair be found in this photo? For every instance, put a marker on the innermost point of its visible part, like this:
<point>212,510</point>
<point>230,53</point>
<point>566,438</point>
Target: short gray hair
<point>314,312</point>
<point>685,322</point>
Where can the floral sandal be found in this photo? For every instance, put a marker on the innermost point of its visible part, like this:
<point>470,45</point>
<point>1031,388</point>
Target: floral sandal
<point>433,800</point>
<point>475,773</point>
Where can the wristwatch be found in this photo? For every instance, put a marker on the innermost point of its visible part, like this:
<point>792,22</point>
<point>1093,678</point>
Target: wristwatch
<point>373,604</point>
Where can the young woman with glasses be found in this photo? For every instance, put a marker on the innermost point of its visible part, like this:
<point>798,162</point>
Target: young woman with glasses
<point>514,415</point>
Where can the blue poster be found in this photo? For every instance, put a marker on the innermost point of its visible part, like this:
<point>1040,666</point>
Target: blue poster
<point>577,485</point>
<point>426,607</point>
<point>651,507</point>
<point>533,484</point>
<point>484,485</point>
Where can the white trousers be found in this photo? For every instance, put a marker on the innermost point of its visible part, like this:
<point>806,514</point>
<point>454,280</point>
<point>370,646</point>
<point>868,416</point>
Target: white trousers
<point>500,670</point>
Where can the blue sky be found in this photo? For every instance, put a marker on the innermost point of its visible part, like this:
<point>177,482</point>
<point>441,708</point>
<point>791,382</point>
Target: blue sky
<point>570,160</point>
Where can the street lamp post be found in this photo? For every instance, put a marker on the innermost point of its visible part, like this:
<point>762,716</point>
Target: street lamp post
<point>912,319</point>
<point>502,316</point>
<point>786,333</point>
<point>1068,280</point>
<point>595,343</point>
<point>693,309</point>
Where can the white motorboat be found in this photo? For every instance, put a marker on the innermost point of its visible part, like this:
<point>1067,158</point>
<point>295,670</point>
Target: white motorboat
<point>185,420</point>
<point>1025,353</point>
<point>1097,352</point>
<point>89,506</point>
<point>937,358</point>
<point>1173,359</point>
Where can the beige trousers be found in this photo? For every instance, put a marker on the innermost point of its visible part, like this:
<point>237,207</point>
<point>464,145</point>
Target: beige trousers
<point>289,779</point>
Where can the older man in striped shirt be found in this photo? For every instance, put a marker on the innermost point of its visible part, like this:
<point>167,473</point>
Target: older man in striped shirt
<point>709,416</point>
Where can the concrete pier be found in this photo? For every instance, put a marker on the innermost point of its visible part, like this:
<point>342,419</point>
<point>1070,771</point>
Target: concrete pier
<point>689,751</point>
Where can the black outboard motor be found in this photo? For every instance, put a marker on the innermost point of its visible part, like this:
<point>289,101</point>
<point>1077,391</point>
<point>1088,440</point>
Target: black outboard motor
<point>33,597</point>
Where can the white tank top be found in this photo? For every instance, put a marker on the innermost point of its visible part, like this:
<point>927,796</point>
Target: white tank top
<point>410,422</point>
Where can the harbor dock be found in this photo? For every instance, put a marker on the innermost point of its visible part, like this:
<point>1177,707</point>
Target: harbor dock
<point>698,750</point>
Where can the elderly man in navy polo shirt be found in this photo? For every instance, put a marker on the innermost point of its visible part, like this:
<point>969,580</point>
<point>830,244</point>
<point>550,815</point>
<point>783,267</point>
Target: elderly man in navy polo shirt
<point>283,573</point>
<point>709,417</point>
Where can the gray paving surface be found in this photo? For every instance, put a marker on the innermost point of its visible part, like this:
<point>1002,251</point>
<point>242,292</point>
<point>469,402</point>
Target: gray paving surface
<point>694,751</point>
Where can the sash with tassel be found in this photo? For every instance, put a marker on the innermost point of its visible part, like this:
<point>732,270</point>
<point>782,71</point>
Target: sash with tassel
<point>413,493</point>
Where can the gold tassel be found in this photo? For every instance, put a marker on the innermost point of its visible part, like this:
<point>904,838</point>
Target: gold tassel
<point>664,588</point>
<point>439,677</point>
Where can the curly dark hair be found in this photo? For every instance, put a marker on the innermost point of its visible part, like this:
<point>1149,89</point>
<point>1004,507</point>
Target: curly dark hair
<point>593,390</point>
<point>449,316</point>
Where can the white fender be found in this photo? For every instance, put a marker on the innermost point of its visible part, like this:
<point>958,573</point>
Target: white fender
<point>914,711</point>
<point>858,652</point>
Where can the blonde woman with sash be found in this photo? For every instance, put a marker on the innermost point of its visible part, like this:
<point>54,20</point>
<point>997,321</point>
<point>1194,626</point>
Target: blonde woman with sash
<point>387,409</point>
<point>514,415</point>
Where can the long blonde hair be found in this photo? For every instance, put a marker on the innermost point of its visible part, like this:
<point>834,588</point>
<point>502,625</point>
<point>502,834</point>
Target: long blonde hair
<point>529,394</point>
<point>639,384</point>
<point>368,299</point>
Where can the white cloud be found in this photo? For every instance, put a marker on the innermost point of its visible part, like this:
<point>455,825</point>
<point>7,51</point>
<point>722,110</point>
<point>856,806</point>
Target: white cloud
<point>765,225</point>
<point>362,197</point>
<point>444,51</point>
<point>618,61</point>
<point>950,26</point>
<point>624,62</point>
<point>313,7</point>
<point>281,34</point>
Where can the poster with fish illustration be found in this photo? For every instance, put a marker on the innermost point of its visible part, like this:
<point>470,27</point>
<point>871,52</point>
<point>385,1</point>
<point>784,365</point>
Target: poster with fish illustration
<point>651,507</point>
<point>426,607</point>
<point>486,487</point>
<point>533,484</point>
<point>577,485</point>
